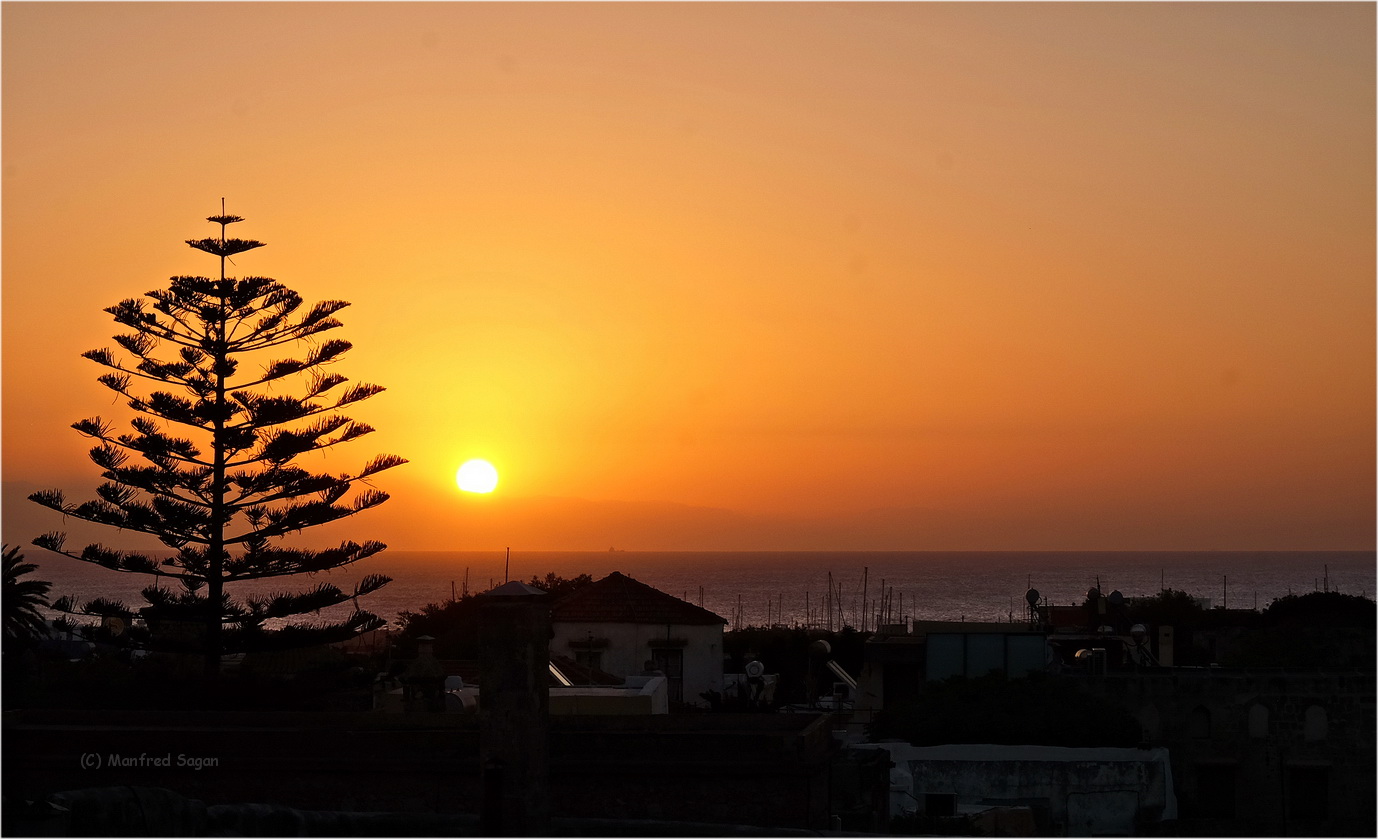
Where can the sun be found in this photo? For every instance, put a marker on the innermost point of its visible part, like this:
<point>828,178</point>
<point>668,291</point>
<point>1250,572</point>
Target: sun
<point>477,476</point>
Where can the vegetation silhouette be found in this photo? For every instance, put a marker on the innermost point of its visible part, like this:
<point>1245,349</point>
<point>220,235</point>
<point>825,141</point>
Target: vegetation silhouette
<point>1168,607</point>
<point>224,497</point>
<point>24,624</point>
<point>1321,608</point>
<point>1316,630</point>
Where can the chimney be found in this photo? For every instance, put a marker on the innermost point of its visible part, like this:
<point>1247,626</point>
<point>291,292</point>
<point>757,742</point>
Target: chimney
<point>1165,644</point>
<point>514,710</point>
<point>423,682</point>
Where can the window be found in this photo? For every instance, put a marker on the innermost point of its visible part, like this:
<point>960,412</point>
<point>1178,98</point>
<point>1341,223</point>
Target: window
<point>671,663</point>
<point>1315,726</point>
<point>946,657</point>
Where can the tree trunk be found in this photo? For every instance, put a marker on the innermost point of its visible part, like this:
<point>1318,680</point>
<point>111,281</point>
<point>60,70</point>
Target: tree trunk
<point>215,585</point>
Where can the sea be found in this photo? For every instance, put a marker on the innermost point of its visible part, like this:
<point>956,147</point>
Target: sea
<point>791,588</point>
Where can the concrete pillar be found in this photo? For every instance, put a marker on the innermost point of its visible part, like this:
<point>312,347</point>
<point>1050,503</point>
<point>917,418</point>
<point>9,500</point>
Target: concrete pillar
<point>514,710</point>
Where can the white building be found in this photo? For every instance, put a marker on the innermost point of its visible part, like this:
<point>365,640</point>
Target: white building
<point>627,628</point>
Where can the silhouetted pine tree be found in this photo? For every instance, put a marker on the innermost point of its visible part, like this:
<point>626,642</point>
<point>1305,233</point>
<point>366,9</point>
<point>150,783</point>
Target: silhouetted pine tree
<point>223,496</point>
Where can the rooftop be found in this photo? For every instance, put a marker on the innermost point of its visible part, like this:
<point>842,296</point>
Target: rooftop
<point>618,598</point>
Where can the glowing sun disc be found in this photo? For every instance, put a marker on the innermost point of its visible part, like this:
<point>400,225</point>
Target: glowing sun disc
<point>477,476</point>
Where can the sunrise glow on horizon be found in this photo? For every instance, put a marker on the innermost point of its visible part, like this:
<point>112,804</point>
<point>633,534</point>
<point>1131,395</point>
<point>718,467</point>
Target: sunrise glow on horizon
<point>739,276</point>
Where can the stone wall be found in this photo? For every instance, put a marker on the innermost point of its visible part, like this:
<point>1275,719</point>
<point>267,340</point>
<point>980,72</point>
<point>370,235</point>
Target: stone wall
<point>1259,752</point>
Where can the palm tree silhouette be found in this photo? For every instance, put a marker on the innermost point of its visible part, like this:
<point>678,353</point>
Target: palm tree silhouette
<point>22,599</point>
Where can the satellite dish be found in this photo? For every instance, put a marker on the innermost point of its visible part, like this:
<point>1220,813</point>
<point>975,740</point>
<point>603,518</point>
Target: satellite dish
<point>1138,632</point>
<point>755,669</point>
<point>821,648</point>
<point>1032,596</point>
<point>115,626</point>
<point>1116,598</point>
<point>1092,594</point>
<point>1083,655</point>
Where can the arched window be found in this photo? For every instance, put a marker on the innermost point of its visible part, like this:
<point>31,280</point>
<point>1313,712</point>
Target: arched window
<point>1199,724</point>
<point>1315,726</point>
<point>1258,720</point>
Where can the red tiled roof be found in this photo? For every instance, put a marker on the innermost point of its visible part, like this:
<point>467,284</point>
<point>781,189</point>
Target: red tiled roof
<point>618,598</point>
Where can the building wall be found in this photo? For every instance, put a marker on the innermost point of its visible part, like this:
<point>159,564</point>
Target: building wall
<point>1260,752</point>
<point>1082,792</point>
<point>642,696</point>
<point>629,646</point>
<point>1254,752</point>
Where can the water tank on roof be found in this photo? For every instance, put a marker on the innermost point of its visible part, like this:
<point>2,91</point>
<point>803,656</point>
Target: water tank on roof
<point>459,703</point>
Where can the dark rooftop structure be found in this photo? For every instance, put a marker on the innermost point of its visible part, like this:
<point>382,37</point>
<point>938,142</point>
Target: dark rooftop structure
<point>618,598</point>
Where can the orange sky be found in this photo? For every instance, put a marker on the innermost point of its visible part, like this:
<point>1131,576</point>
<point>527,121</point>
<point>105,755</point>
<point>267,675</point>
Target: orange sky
<point>741,276</point>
